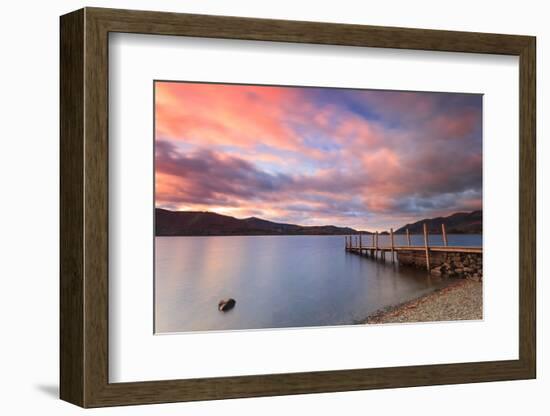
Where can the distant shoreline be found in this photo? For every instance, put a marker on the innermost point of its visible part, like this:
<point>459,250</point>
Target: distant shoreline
<point>290,235</point>
<point>258,235</point>
<point>201,223</point>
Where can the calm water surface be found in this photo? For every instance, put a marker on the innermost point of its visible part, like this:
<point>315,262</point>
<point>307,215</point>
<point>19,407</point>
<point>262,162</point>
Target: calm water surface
<point>279,281</point>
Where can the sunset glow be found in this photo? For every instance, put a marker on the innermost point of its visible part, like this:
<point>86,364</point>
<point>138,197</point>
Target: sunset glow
<point>317,156</point>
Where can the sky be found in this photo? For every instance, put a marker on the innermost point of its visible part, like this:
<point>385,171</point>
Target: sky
<point>366,159</point>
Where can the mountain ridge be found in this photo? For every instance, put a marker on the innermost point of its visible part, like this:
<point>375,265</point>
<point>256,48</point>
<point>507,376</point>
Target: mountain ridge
<point>457,223</point>
<point>205,223</point>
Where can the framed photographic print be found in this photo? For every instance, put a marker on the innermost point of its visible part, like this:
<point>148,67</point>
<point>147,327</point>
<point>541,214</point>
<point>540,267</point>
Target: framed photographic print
<point>255,207</point>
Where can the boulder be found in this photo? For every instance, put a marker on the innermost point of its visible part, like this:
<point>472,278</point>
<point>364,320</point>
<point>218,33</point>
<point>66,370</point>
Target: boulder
<point>436,271</point>
<point>226,304</point>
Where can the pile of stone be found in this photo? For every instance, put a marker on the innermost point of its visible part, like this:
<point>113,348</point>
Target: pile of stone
<point>461,266</point>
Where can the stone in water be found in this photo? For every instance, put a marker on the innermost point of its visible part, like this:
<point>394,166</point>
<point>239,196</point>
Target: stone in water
<point>225,305</point>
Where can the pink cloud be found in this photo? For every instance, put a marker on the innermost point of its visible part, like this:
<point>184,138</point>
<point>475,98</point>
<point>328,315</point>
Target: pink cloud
<point>230,115</point>
<point>456,125</point>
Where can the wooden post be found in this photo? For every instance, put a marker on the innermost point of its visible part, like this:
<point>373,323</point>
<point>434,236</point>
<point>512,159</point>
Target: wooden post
<point>360,244</point>
<point>426,246</point>
<point>392,245</point>
<point>346,238</point>
<point>376,245</point>
<point>408,237</point>
<point>444,234</point>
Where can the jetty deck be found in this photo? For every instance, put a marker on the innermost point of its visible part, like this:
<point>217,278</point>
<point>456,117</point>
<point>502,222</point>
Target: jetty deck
<point>355,244</point>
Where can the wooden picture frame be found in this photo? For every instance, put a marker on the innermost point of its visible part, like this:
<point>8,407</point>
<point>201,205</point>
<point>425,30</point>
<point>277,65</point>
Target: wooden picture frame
<point>84,207</point>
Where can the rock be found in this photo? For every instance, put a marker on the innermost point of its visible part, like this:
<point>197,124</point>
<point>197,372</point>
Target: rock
<point>225,305</point>
<point>451,274</point>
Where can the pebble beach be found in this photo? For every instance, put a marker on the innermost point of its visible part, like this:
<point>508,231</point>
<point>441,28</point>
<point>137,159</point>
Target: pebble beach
<point>462,300</point>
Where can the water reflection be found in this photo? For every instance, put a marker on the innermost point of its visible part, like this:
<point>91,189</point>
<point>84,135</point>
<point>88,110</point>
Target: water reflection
<point>277,281</point>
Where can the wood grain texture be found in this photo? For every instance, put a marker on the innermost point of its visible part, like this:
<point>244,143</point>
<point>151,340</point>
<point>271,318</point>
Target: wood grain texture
<point>96,208</point>
<point>226,27</point>
<point>527,208</point>
<point>71,208</point>
<point>84,207</point>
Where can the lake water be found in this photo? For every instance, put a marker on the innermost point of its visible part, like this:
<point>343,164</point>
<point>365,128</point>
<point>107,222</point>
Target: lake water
<point>279,281</point>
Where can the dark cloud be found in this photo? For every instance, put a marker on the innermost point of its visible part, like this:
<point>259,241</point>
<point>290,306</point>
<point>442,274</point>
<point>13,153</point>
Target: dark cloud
<point>209,177</point>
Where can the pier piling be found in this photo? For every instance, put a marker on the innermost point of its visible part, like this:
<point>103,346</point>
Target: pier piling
<point>444,233</point>
<point>426,246</point>
<point>392,246</point>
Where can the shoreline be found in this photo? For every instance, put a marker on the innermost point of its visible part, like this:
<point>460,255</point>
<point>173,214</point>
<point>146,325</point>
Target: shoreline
<point>462,300</point>
<point>438,244</point>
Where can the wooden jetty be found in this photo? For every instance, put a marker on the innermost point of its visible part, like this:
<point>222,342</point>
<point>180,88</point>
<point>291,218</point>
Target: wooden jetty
<point>355,244</point>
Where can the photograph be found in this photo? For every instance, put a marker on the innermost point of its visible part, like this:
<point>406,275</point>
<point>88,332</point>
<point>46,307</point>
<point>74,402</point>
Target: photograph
<point>288,206</point>
<point>307,206</point>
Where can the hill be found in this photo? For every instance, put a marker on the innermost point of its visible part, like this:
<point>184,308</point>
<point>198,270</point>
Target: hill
<point>198,223</point>
<point>458,223</point>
